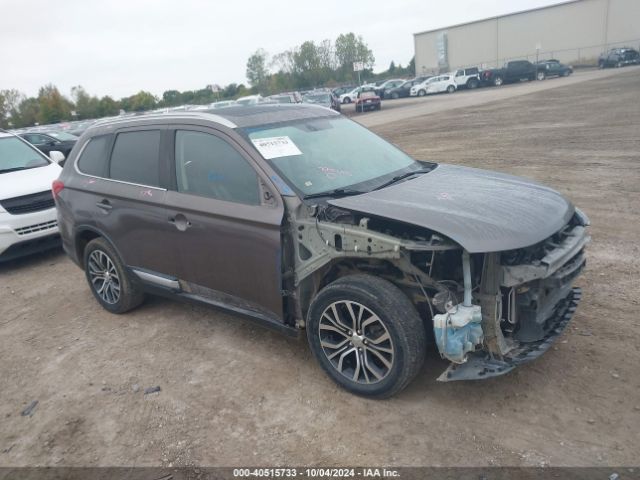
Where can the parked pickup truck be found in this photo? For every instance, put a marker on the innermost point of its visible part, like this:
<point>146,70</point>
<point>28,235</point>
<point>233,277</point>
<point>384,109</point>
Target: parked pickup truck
<point>512,72</point>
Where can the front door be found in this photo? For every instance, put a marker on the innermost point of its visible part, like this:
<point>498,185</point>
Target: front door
<point>227,221</point>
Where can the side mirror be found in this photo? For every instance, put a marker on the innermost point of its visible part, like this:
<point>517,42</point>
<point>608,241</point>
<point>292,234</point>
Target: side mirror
<point>56,156</point>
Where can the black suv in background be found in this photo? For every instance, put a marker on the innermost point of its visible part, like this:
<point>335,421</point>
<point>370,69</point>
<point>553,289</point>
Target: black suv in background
<point>619,57</point>
<point>46,142</point>
<point>553,68</point>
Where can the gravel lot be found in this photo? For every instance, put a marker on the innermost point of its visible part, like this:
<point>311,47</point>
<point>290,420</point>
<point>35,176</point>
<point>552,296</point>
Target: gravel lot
<point>235,394</point>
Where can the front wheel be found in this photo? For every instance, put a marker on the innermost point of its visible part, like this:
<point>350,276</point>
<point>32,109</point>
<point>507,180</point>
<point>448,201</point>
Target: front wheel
<point>541,76</point>
<point>421,93</point>
<point>394,95</point>
<point>366,335</point>
<point>498,81</point>
<point>346,100</point>
<point>451,89</point>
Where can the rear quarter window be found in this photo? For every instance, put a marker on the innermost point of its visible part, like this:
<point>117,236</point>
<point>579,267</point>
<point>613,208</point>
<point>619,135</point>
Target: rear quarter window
<point>136,158</point>
<point>92,158</point>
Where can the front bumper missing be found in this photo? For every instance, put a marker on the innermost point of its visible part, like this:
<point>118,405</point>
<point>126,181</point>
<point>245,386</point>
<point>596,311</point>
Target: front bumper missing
<point>480,365</point>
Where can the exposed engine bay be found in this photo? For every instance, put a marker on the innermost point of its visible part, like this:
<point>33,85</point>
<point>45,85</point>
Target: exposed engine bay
<point>488,311</point>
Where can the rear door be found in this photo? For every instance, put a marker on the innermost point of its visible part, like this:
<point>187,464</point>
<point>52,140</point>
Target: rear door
<point>226,219</point>
<point>129,206</point>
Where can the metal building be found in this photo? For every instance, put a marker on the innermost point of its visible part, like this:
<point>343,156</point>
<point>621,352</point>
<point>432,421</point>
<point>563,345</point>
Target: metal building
<point>575,32</point>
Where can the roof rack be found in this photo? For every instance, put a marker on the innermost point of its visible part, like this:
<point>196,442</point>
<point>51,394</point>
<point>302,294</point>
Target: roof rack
<point>155,116</point>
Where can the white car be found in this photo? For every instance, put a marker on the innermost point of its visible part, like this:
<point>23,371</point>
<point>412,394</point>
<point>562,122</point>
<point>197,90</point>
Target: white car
<point>350,96</point>
<point>27,211</point>
<point>249,100</point>
<point>441,83</point>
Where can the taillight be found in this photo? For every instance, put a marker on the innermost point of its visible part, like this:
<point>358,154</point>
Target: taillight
<point>56,187</point>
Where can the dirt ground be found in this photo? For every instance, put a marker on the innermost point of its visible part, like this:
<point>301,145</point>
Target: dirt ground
<point>235,394</point>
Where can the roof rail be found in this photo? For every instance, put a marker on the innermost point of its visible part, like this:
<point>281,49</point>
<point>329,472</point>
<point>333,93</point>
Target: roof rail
<point>177,114</point>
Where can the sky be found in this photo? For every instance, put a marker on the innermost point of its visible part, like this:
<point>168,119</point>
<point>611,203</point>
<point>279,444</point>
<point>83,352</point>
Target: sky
<point>118,47</point>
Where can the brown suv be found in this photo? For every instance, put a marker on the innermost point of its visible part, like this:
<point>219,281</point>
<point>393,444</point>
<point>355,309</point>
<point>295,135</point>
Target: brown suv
<point>299,218</point>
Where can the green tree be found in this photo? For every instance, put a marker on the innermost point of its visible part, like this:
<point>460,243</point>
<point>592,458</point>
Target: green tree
<point>257,69</point>
<point>9,106</point>
<point>54,108</point>
<point>86,106</point>
<point>108,107</point>
<point>392,67</point>
<point>351,48</point>
<point>171,98</point>
<point>142,101</point>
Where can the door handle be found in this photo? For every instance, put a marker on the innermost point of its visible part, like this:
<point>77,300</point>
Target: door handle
<point>181,222</point>
<point>104,205</point>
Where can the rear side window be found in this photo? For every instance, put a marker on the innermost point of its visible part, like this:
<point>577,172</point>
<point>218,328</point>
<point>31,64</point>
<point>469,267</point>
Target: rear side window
<point>136,158</point>
<point>208,166</point>
<point>91,160</point>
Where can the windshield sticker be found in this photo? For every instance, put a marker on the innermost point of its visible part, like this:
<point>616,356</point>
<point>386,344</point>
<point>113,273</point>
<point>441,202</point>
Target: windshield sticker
<point>276,147</point>
<point>332,173</point>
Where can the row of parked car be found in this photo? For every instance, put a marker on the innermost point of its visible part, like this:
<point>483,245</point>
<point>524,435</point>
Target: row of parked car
<point>474,77</point>
<point>469,78</point>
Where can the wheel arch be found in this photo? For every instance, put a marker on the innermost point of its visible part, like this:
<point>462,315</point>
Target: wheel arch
<point>81,238</point>
<point>310,286</point>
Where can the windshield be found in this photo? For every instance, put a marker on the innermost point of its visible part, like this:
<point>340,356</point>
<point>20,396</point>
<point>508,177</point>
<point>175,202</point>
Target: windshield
<point>17,155</point>
<point>63,136</point>
<point>324,154</point>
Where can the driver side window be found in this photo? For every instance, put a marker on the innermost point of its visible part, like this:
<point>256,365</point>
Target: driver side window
<point>208,166</point>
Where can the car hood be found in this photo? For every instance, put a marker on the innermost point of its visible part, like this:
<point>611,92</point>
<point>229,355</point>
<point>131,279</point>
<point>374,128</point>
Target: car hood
<point>481,210</point>
<point>26,182</point>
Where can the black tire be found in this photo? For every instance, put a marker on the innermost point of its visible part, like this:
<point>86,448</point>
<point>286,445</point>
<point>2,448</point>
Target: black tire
<point>541,76</point>
<point>451,89</point>
<point>619,65</point>
<point>472,83</point>
<point>498,81</point>
<point>346,100</point>
<point>130,294</point>
<point>395,96</point>
<point>421,93</point>
<point>397,318</point>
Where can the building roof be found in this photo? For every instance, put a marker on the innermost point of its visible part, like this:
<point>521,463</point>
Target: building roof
<point>565,2</point>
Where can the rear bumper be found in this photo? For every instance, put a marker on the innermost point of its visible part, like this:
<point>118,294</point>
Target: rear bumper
<point>480,365</point>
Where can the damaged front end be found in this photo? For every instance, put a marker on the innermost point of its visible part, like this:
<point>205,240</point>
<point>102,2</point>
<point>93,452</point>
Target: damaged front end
<point>527,299</point>
<point>489,311</point>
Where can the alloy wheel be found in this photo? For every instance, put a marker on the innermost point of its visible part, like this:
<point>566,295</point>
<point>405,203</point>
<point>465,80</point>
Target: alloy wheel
<point>104,276</point>
<point>356,342</point>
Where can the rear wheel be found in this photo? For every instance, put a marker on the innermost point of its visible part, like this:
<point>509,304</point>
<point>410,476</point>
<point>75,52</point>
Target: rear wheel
<point>346,100</point>
<point>498,81</point>
<point>472,83</point>
<point>541,75</point>
<point>366,335</point>
<point>110,282</point>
